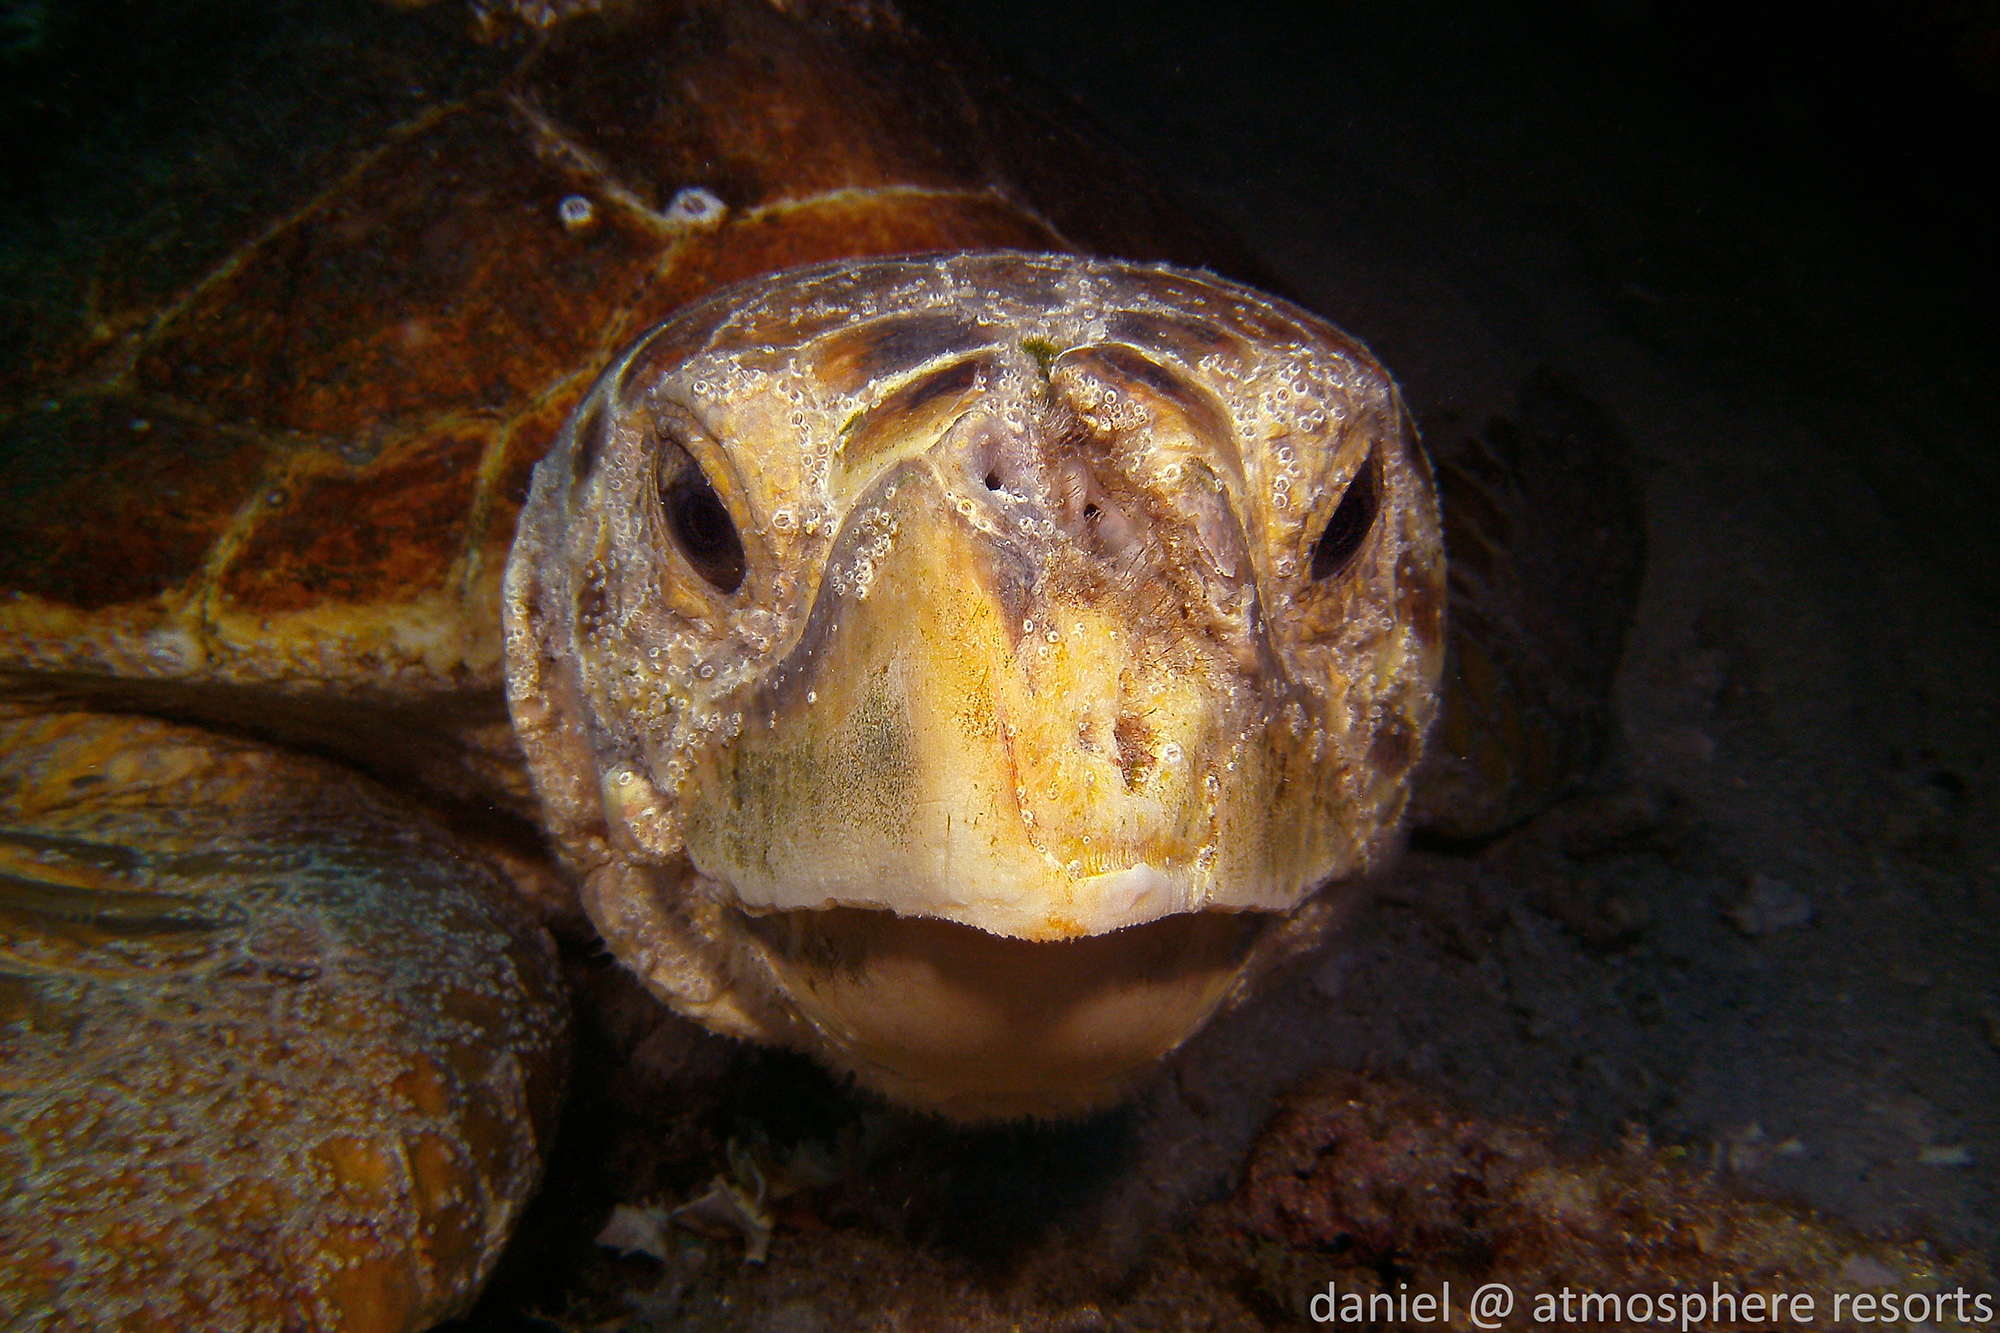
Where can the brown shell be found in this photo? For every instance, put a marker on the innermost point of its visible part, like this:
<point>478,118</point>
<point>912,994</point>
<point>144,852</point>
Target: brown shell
<point>282,438</point>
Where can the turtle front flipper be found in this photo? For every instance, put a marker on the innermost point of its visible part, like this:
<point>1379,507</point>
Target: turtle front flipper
<point>272,1052</point>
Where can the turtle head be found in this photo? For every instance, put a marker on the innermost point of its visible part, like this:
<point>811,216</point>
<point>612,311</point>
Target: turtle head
<point>964,669</point>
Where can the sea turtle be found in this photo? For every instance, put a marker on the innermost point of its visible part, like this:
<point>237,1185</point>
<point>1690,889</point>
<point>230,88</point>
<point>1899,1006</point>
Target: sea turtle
<point>968,669</point>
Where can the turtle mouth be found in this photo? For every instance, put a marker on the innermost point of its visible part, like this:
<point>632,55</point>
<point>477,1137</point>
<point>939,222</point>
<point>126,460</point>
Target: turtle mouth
<point>984,1026</point>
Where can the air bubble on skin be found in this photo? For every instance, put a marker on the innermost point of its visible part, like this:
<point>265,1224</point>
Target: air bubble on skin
<point>707,671</point>
<point>576,213</point>
<point>696,207</point>
<point>812,696</point>
<point>1171,753</point>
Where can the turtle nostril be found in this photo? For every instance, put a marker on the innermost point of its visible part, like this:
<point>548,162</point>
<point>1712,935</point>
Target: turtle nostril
<point>992,481</point>
<point>1111,531</point>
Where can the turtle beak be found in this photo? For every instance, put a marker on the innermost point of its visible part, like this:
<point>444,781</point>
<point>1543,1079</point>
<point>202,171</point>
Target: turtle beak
<point>1022,702</point>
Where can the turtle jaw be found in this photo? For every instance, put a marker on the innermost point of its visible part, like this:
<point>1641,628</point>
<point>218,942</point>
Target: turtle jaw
<point>982,1027</point>
<point>1016,734</point>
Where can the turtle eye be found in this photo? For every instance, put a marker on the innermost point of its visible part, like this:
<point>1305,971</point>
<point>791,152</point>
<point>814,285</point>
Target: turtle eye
<point>698,519</point>
<point>1348,527</point>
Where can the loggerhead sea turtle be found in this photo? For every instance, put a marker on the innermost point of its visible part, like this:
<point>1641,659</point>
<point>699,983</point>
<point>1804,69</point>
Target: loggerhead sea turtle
<point>969,669</point>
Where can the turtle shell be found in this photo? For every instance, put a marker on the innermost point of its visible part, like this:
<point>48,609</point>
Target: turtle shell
<point>270,410</point>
